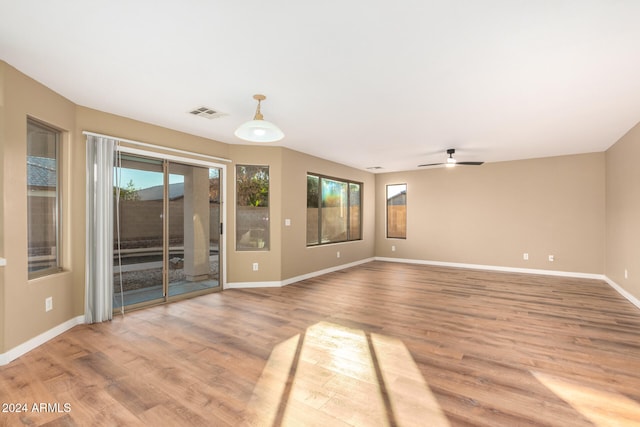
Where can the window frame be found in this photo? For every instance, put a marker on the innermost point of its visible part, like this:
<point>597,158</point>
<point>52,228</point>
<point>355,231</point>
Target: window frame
<point>57,218</point>
<point>387,205</point>
<point>347,207</point>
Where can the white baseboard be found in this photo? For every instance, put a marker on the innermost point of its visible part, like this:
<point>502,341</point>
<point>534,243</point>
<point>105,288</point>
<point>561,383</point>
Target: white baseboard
<point>242,285</point>
<point>325,271</point>
<point>633,300</point>
<point>278,284</point>
<point>495,268</point>
<point>26,347</point>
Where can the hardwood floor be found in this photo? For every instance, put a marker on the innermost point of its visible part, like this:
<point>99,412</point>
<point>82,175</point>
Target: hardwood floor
<point>378,344</point>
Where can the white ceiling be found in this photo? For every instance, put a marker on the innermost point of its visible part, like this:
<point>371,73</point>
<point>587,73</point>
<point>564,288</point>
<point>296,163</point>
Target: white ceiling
<point>364,83</point>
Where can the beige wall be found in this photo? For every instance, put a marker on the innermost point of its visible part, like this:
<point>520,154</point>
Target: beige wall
<point>487,215</point>
<point>240,265</point>
<point>623,212</point>
<point>297,258</point>
<point>23,300</point>
<point>287,168</point>
<point>89,120</point>
<point>492,214</point>
<point>289,256</point>
<point>109,124</point>
<point>22,315</point>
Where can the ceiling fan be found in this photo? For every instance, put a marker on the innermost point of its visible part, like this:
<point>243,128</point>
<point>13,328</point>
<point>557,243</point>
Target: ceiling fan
<point>451,161</point>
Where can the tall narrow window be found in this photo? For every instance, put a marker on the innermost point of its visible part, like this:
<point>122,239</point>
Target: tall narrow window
<point>397,211</point>
<point>43,199</point>
<point>252,208</point>
<point>333,210</point>
<point>355,229</point>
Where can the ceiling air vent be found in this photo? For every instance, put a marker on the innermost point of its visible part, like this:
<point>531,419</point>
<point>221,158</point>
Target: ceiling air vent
<point>206,112</point>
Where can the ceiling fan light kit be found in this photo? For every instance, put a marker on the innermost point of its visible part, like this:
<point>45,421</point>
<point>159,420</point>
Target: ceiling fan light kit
<point>258,129</point>
<point>451,161</point>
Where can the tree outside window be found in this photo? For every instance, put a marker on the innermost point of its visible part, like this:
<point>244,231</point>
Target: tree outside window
<point>252,208</point>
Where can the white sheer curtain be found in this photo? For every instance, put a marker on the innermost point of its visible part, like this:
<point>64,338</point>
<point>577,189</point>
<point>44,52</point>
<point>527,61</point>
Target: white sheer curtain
<point>99,241</point>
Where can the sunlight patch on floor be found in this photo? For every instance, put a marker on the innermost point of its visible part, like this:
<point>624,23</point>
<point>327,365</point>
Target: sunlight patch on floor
<point>336,375</point>
<point>598,406</point>
<point>264,403</point>
<point>411,399</point>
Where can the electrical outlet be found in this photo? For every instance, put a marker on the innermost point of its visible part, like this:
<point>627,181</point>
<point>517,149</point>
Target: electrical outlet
<point>393,248</point>
<point>255,266</point>
<point>338,254</point>
<point>626,274</point>
<point>551,258</point>
<point>525,256</point>
<point>48,304</point>
<point>287,222</point>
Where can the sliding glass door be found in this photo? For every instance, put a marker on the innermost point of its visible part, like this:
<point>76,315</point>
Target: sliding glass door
<point>138,229</point>
<point>166,231</point>
<point>194,228</point>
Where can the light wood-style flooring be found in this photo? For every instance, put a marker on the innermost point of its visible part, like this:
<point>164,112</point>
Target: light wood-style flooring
<point>374,345</point>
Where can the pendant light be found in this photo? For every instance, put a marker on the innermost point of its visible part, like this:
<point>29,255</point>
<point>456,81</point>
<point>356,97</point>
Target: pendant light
<point>258,129</point>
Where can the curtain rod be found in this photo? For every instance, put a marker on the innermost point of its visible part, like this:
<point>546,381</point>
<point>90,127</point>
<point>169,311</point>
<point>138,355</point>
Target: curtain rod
<point>160,147</point>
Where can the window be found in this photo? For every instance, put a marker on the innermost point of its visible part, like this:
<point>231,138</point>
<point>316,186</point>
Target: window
<point>252,208</point>
<point>43,199</point>
<point>334,211</point>
<point>355,231</point>
<point>397,211</point>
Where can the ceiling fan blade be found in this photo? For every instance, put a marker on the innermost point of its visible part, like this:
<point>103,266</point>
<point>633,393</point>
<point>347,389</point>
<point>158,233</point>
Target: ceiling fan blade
<point>453,164</point>
<point>451,161</point>
<point>431,164</point>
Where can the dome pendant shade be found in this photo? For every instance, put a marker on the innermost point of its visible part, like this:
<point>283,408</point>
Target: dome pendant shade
<point>258,129</point>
